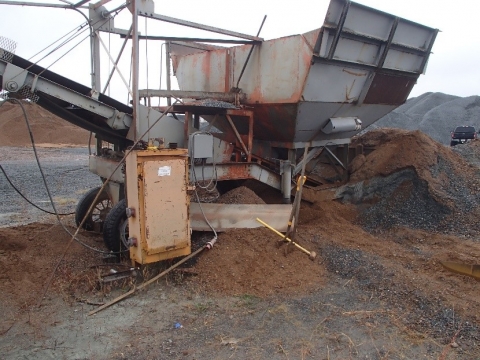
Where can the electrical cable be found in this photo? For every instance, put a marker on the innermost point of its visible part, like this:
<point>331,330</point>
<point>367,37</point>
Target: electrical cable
<point>191,142</point>
<point>215,236</point>
<point>77,28</point>
<point>23,196</point>
<point>214,178</point>
<point>65,42</point>
<point>98,194</point>
<point>90,209</point>
<point>161,70</point>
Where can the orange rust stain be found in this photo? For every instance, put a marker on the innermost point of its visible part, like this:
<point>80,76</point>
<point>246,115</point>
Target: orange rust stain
<point>256,94</point>
<point>236,172</point>
<point>206,65</point>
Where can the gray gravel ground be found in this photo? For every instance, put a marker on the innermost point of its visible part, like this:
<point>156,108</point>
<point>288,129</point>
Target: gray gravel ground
<point>66,172</point>
<point>352,317</point>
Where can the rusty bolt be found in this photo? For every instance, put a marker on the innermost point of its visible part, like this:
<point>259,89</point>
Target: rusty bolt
<point>132,241</point>
<point>130,212</point>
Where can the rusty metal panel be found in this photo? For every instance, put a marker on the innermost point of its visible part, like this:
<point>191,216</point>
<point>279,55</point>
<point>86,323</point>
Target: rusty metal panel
<point>133,201</point>
<point>204,71</point>
<point>363,60</point>
<point>165,205</point>
<point>157,190</point>
<point>389,89</point>
<point>276,71</point>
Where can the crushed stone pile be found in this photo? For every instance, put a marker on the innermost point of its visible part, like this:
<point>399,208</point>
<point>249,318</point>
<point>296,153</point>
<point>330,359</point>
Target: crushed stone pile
<point>240,195</point>
<point>435,114</point>
<point>412,180</point>
<point>46,127</point>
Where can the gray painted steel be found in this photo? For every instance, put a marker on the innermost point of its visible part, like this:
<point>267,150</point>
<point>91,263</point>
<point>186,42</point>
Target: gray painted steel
<point>362,63</point>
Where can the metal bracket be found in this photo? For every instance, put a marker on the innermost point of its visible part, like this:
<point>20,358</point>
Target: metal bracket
<point>13,78</point>
<point>118,121</point>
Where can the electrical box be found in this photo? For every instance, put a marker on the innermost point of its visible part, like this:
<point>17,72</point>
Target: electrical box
<point>202,145</point>
<point>157,199</point>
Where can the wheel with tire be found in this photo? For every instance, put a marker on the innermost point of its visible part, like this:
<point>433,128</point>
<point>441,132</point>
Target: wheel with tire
<point>96,218</point>
<point>115,228</point>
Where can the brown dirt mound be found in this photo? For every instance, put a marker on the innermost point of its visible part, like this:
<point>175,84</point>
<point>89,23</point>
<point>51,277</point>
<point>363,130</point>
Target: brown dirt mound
<point>46,127</point>
<point>414,165</point>
<point>240,195</point>
<point>28,255</point>
<point>397,149</point>
<point>248,262</point>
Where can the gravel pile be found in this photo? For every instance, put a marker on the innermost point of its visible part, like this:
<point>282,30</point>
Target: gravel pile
<point>436,114</point>
<point>421,313</point>
<point>215,103</point>
<point>410,180</point>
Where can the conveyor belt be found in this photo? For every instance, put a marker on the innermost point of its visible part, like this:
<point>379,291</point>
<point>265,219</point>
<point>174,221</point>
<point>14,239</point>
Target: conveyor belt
<point>79,117</point>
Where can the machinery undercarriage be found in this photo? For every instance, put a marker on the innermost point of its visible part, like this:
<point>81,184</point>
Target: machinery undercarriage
<point>262,110</point>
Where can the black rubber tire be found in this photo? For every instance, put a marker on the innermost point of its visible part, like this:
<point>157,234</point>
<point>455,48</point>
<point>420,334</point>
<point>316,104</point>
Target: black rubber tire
<point>113,227</point>
<point>99,212</point>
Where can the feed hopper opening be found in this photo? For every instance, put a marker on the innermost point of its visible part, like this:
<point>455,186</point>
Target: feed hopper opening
<point>361,64</point>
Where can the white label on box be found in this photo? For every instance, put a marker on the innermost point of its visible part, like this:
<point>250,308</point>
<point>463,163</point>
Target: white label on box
<point>164,170</point>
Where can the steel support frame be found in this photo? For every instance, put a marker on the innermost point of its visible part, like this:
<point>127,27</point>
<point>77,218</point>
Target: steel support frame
<point>240,143</point>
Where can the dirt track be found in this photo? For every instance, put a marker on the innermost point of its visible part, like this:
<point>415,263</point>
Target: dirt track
<point>375,291</point>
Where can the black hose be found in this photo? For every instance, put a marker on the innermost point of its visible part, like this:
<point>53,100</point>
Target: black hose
<point>23,196</point>
<point>48,189</point>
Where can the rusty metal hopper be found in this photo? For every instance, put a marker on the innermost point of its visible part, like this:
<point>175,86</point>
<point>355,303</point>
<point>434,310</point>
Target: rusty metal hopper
<point>323,86</point>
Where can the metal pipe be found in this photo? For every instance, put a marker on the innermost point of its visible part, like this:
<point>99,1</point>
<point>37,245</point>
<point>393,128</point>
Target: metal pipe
<point>237,134</point>
<point>121,7</point>
<point>80,3</point>
<point>286,181</point>
<point>250,53</point>
<point>116,61</point>
<point>23,3</point>
<point>189,39</point>
<point>312,254</point>
<point>167,71</point>
<point>199,26</point>
<point>135,69</point>
<point>230,97</point>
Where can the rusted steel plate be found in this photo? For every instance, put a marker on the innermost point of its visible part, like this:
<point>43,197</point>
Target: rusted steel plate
<point>362,61</point>
<point>389,89</point>
<point>238,216</point>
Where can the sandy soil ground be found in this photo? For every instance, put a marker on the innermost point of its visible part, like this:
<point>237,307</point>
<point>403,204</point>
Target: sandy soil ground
<point>375,291</point>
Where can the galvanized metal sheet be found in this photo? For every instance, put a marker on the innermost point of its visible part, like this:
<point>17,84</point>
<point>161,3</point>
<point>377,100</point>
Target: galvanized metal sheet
<point>238,216</point>
<point>313,116</point>
<point>339,83</point>
<point>365,64</point>
<point>413,35</point>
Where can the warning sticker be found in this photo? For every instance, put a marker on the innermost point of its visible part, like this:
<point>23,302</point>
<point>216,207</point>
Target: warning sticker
<point>164,170</point>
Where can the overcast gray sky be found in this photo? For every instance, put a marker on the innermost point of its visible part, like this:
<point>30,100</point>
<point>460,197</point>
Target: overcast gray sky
<point>453,67</point>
